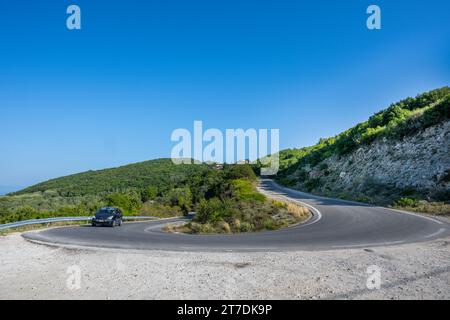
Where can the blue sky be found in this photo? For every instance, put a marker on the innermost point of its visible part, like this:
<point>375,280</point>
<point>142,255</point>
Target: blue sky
<point>113,92</point>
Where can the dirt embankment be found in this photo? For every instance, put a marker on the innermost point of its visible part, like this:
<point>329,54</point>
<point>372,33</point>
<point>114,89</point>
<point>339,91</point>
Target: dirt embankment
<point>30,271</point>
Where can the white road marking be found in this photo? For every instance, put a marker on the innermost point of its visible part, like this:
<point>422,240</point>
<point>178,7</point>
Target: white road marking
<point>354,202</point>
<point>435,234</point>
<point>318,214</point>
<point>413,214</point>
<point>370,244</point>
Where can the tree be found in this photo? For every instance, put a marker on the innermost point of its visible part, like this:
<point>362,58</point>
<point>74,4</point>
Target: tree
<point>150,193</point>
<point>208,210</point>
<point>127,203</point>
<point>181,197</point>
<point>239,171</point>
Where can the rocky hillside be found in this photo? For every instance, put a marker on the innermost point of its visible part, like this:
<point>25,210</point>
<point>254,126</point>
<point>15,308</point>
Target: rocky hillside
<point>419,163</point>
<point>400,157</point>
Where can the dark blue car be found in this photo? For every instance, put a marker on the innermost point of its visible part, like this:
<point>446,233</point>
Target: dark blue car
<point>107,216</point>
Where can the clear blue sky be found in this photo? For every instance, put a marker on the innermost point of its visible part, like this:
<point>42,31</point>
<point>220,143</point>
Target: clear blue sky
<point>113,92</point>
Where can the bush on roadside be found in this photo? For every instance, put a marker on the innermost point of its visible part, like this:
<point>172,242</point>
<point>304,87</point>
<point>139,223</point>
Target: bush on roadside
<point>406,202</point>
<point>159,210</point>
<point>128,203</point>
<point>245,190</point>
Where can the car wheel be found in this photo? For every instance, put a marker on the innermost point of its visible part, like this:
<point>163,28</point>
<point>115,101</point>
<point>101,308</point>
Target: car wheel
<point>120,222</point>
<point>113,223</point>
<point>93,224</point>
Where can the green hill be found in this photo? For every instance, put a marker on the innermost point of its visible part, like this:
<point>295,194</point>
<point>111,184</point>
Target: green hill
<point>225,200</point>
<point>127,187</point>
<point>400,154</point>
<point>161,173</point>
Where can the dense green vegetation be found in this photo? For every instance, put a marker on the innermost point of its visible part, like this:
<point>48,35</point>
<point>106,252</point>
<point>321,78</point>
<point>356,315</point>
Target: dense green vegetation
<point>239,207</point>
<point>146,186</point>
<point>401,119</point>
<point>416,205</point>
<point>222,198</point>
<point>225,199</point>
<point>159,175</point>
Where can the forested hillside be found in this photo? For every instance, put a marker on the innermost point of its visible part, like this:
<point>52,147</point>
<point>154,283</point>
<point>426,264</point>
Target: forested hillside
<point>399,156</point>
<point>226,200</point>
<point>128,187</point>
<point>161,173</point>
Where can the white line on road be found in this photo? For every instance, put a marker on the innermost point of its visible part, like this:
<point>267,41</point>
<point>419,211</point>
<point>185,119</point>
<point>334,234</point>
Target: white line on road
<point>362,204</point>
<point>413,214</point>
<point>318,214</point>
<point>435,234</point>
<point>369,244</point>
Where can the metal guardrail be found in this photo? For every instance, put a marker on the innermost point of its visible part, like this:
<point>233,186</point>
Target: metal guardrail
<point>62,219</point>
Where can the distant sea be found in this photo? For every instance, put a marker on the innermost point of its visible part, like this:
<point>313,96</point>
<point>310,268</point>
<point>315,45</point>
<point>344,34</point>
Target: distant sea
<point>7,189</point>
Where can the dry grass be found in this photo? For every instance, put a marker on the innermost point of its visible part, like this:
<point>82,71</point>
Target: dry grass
<point>225,227</point>
<point>436,208</point>
<point>291,213</point>
<point>297,211</point>
<point>176,227</point>
<point>169,228</point>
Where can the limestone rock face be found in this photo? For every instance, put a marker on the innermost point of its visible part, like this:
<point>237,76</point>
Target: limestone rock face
<point>419,163</point>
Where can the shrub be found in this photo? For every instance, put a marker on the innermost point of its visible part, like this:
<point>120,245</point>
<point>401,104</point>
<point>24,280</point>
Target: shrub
<point>407,192</point>
<point>150,193</point>
<point>394,114</point>
<point>180,197</point>
<point>244,190</point>
<point>25,213</point>
<point>224,227</point>
<point>246,227</point>
<point>159,210</point>
<point>127,203</point>
<point>443,195</point>
<point>437,114</point>
<point>437,208</point>
<point>209,211</point>
<point>371,134</point>
<point>406,202</point>
<point>278,204</point>
<point>269,224</point>
<point>195,227</point>
<point>240,171</point>
<point>207,228</point>
<point>312,184</point>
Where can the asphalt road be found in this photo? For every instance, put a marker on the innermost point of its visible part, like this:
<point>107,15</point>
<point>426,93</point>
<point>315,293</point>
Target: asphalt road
<point>335,224</point>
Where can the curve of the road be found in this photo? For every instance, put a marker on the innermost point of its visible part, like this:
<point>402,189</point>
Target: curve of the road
<point>334,224</point>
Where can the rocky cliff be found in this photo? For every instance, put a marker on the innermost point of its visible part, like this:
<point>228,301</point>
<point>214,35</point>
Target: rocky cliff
<point>380,172</point>
<point>399,156</point>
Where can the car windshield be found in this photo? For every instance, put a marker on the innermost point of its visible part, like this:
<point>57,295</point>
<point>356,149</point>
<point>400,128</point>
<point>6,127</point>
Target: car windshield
<point>104,213</point>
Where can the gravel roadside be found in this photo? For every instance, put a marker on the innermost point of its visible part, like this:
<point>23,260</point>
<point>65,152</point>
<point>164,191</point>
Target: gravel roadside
<point>31,271</point>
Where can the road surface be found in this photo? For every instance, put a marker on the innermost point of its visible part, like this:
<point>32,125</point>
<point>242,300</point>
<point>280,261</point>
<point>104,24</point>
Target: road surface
<point>335,224</point>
